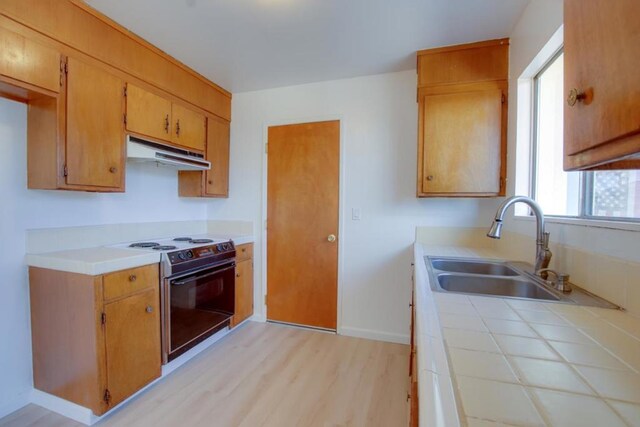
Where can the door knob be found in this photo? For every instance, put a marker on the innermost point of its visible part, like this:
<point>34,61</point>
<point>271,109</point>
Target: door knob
<point>331,238</point>
<point>575,96</point>
<point>149,309</point>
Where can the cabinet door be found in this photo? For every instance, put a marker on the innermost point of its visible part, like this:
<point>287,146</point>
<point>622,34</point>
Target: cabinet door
<point>148,114</point>
<point>29,62</point>
<point>95,152</point>
<point>602,60</point>
<point>132,335</point>
<point>244,292</point>
<point>463,140</point>
<point>217,178</point>
<point>189,128</point>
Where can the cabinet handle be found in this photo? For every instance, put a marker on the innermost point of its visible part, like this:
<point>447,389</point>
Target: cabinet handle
<point>575,96</point>
<point>133,278</point>
<point>244,249</point>
<point>178,128</point>
<point>166,124</point>
<point>237,274</point>
<point>149,309</point>
<point>113,169</point>
<point>430,178</point>
<point>210,182</point>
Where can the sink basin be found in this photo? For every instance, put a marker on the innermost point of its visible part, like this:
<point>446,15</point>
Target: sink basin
<point>473,267</point>
<point>508,287</point>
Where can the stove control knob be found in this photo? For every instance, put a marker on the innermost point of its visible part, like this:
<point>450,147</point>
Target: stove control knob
<point>220,247</point>
<point>182,256</point>
<point>226,246</point>
<point>189,254</point>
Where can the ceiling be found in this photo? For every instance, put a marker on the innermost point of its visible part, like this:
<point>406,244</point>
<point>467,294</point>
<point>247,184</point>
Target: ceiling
<point>245,45</point>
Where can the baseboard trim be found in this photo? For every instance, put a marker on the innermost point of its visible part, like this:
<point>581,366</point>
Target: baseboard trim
<point>63,407</point>
<point>258,318</point>
<point>373,335</point>
<point>17,402</point>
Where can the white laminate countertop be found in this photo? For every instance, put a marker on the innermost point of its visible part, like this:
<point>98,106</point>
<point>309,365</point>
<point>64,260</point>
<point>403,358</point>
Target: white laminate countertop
<point>491,361</point>
<point>106,259</point>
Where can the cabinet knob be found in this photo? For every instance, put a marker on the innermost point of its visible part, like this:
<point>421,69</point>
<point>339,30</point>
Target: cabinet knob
<point>210,182</point>
<point>113,169</point>
<point>133,278</point>
<point>149,309</point>
<point>331,238</point>
<point>430,178</point>
<point>575,96</point>
<point>166,124</point>
<point>237,274</point>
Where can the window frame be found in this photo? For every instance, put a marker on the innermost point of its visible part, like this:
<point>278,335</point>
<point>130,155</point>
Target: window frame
<point>586,183</point>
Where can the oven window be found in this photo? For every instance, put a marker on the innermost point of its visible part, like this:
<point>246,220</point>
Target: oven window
<point>199,303</point>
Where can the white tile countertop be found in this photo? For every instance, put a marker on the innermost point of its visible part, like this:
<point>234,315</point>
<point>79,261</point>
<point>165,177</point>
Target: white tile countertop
<point>94,261</point>
<point>490,361</point>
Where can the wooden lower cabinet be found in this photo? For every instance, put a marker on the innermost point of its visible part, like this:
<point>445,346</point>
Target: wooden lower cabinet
<point>90,350</point>
<point>244,284</point>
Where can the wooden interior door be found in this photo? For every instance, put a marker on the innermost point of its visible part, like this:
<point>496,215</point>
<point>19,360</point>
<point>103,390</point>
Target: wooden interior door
<point>132,336</point>
<point>302,223</point>
<point>95,152</point>
<point>463,137</point>
<point>189,127</point>
<point>148,114</point>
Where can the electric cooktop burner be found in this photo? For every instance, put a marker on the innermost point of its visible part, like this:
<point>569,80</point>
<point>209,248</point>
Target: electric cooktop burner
<point>165,247</point>
<point>144,245</point>
<point>182,239</point>
<point>198,241</point>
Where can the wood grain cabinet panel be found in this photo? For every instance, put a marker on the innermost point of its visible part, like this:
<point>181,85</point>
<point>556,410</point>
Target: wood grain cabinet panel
<point>90,350</point>
<point>462,120</point>
<point>244,284</point>
<point>215,181</point>
<point>95,151</point>
<point>132,337</point>
<point>148,114</point>
<point>602,59</point>
<point>189,128</point>
<point>127,282</point>
<point>29,62</point>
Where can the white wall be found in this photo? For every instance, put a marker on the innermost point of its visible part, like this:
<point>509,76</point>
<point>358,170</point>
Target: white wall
<point>151,195</point>
<point>379,117</point>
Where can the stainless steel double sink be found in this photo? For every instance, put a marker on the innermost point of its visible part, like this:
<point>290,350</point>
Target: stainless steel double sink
<point>499,278</point>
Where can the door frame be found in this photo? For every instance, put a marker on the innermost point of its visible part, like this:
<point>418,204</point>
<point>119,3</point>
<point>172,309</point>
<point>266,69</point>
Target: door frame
<point>341,204</point>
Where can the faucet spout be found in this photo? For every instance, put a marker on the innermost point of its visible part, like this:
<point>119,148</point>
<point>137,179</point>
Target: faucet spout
<point>543,254</point>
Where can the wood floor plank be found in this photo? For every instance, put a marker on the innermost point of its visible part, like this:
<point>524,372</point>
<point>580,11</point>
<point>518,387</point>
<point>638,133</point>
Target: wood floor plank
<point>268,375</point>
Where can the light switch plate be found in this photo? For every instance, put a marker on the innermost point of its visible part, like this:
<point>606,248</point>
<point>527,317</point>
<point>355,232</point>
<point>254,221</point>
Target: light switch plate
<point>356,214</point>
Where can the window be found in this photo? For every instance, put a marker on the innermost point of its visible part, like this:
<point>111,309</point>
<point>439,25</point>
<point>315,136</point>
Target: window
<point>594,195</point>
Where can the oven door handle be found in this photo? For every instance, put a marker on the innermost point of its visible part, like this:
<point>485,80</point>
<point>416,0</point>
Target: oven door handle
<point>195,277</point>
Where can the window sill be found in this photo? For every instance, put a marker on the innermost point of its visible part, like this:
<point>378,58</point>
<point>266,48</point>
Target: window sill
<point>583,222</point>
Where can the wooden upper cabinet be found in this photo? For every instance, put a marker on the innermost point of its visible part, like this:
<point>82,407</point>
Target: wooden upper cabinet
<point>602,83</point>
<point>95,149</point>
<point>148,114</point>
<point>215,181</point>
<point>189,128</point>
<point>28,62</point>
<point>462,148</point>
<point>217,178</point>
<point>462,120</point>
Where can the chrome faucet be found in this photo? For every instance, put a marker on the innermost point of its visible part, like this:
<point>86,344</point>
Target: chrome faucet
<point>543,254</point>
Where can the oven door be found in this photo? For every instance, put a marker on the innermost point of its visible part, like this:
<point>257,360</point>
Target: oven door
<point>197,305</point>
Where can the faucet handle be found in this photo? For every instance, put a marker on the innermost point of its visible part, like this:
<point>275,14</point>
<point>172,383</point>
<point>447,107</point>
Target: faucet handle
<point>562,279</point>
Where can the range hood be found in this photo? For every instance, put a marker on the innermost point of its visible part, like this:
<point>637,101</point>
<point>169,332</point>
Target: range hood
<point>140,150</point>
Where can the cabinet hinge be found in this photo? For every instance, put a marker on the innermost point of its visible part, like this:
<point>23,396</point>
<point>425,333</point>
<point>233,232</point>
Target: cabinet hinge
<point>107,396</point>
<point>65,171</point>
<point>265,299</point>
<point>124,91</point>
<point>266,148</point>
<point>103,318</point>
<point>504,98</point>
<point>124,116</point>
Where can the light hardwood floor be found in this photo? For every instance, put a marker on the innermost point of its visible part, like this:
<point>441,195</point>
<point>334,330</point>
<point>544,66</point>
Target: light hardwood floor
<point>268,375</point>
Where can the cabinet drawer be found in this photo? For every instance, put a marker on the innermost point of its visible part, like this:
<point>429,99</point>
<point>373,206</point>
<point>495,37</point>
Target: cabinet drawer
<point>127,282</point>
<point>244,252</point>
